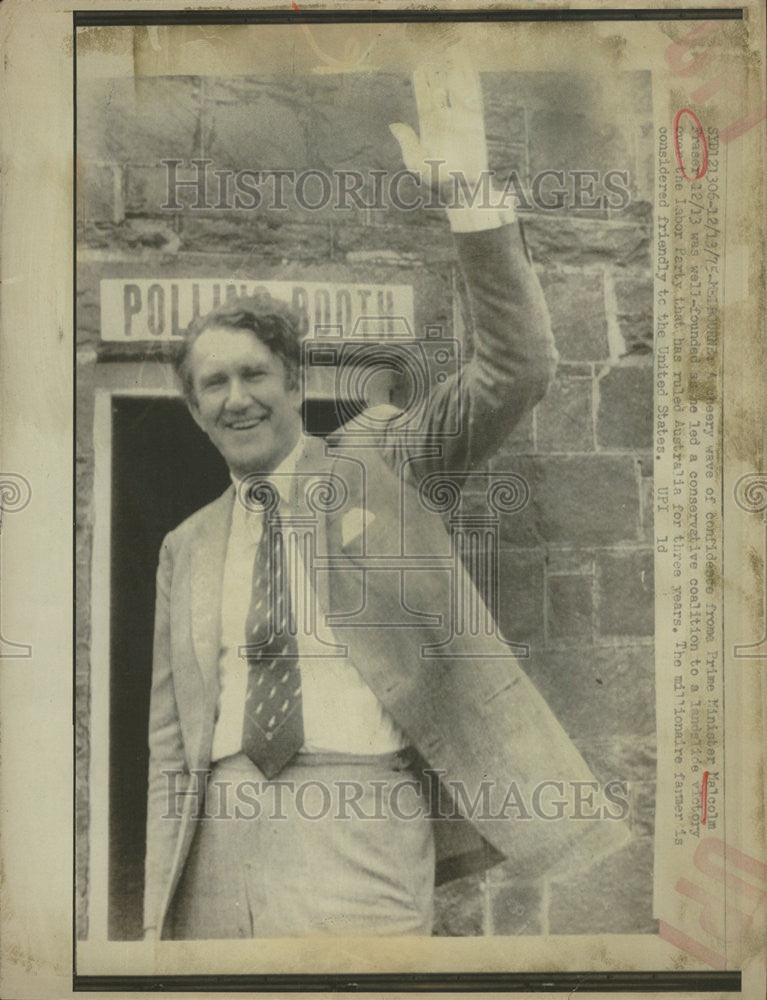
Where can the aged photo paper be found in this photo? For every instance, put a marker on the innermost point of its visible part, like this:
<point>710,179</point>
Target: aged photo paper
<point>383,539</point>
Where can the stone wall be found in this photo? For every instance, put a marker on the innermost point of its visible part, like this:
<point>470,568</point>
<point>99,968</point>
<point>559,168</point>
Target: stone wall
<point>577,567</point>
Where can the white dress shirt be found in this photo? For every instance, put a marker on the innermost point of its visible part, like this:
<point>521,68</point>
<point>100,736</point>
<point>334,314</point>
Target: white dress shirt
<point>341,714</point>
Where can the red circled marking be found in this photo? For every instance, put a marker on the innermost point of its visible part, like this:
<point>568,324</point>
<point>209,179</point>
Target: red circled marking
<point>704,156</point>
<point>704,797</point>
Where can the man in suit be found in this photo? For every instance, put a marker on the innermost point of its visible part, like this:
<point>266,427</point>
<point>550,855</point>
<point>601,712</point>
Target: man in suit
<point>358,706</point>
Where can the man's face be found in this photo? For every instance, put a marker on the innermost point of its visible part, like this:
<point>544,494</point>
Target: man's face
<point>242,401</point>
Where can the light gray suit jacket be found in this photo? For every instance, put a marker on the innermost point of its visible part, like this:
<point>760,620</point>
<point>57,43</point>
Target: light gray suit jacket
<point>473,715</point>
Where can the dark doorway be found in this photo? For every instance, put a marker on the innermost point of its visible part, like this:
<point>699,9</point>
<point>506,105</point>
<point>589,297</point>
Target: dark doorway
<point>163,469</point>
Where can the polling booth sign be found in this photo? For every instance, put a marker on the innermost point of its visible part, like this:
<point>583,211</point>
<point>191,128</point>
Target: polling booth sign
<point>149,309</point>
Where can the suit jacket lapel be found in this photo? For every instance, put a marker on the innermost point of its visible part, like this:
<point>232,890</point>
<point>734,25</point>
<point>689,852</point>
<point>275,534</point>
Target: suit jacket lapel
<point>207,576</point>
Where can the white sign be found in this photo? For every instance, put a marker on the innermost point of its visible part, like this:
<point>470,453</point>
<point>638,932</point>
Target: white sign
<point>135,310</point>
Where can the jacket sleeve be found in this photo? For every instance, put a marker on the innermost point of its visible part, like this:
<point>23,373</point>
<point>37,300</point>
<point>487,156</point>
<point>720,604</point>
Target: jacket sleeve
<point>514,354</point>
<point>167,765</point>
<point>468,417</point>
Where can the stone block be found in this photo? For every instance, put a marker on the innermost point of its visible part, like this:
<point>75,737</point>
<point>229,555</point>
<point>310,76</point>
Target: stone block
<point>642,807</point>
<point>261,238</point>
<point>614,896</point>
<point>521,595</point>
<point>637,334</point>
<point>153,234</point>
<point>575,500</point>
<point>139,119</point>
<point>82,797</point>
<point>564,416</point>
<point>87,313</point>
<point>83,555</point>
<point>516,908</point>
<point>350,117</point>
<point>99,192</point>
<point>508,163</point>
<point>94,236</point>
<point>583,242</point>
<point>634,304</point>
<point>147,191</point>
<point>634,294</point>
<point>353,236</point>
<point>569,561</point>
<point>578,122</point>
<point>621,759</point>
<point>645,169</point>
<point>419,221</point>
<point>575,369</point>
<point>561,132</point>
<point>459,908</point>
<point>624,407</point>
<point>646,467</point>
<point>598,692</point>
<point>625,593</point>
<point>258,123</point>
<point>505,129</point>
<point>577,306</point>
<point>569,608</point>
<point>639,210</point>
<point>504,112</point>
<point>648,519</point>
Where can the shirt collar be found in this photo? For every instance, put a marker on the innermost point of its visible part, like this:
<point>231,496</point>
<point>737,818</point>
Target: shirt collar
<point>280,478</point>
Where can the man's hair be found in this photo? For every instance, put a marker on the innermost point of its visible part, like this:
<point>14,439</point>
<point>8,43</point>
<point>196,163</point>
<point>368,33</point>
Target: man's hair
<point>270,321</point>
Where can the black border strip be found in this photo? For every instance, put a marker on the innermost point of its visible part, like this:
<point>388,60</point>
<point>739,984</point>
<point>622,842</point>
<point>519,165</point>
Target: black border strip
<point>461,982</point>
<point>97,18</point>
<point>75,513</point>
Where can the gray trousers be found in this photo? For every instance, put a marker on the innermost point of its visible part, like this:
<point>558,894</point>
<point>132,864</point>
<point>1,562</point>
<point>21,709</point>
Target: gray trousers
<point>334,845</point>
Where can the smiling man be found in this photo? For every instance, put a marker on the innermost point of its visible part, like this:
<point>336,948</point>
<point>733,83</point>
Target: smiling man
<point>286,787</point>
<point>239,367</point>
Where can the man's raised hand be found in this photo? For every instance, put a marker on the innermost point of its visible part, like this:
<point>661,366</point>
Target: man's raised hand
<point>451,125</point>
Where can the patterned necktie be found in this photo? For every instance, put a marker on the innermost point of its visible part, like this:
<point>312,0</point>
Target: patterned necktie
<point>273,729</point>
